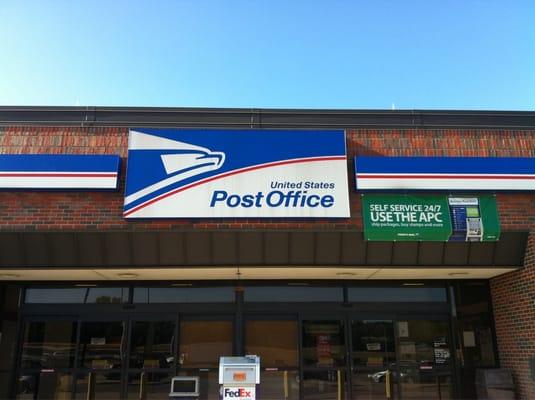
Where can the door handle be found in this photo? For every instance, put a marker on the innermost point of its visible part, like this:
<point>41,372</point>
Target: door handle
<point>286,391</point>
<point>122,344</point>
<point>90,395</point>
<point>142,388</point>
<point>339,380</point>
<point>387,385</point>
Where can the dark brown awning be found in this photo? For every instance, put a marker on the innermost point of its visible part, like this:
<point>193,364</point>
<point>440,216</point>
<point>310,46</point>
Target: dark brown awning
<point>246,248</point>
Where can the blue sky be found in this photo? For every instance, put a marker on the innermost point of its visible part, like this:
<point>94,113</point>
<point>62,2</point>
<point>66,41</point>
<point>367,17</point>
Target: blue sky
<point>381,54</point>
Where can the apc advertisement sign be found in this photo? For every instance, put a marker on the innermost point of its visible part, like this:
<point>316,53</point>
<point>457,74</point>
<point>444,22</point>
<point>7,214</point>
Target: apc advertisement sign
<point>394,217</point>
<point>189,173</point>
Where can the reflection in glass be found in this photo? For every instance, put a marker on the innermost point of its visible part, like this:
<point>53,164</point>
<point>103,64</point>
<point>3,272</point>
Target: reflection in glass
<point>105,387</point>
<point>5,380</point>
<point>151,344</point>
<point>8,344</point>
<point>203,342</point>
<point>323,343</point>
<point>425,359</point>
<point>475,330</point>
<point>49,344</point>
<point>293,294</point>
<point>106,295</point>
<point>149,386</point>
<point>396,294</point>
<point>48,385</point>
<point>283,385</point>
<point>208,382</point>
<point>184,295</point>
<point>99,295</point>
<point>324,385</point>
<point>101,346</point>
<point>373,357</point>
<point>274,341</point>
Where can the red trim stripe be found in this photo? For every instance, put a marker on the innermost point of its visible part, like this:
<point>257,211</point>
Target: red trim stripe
<point>364,176</point>
<point>56,175</point>
<point>226,174</point>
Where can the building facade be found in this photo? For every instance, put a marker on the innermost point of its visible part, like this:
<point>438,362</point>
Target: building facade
<point>96,303</point>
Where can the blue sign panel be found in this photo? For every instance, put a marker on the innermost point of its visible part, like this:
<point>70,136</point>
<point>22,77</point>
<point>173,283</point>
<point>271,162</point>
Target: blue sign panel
<point>236,173</point>
<point>445,173</point>
<point>58,171</point>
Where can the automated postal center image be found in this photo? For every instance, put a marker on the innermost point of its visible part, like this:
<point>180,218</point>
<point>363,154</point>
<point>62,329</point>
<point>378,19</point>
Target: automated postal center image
<point>359,254</point>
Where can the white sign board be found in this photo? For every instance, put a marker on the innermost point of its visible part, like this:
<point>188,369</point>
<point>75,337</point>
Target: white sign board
<point>188,173</point>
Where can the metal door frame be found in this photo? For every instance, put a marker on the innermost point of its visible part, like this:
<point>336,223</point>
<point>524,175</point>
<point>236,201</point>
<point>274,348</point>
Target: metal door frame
<point>367,316</point>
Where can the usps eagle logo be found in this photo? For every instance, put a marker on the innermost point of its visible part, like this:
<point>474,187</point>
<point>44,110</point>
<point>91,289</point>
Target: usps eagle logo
<point>180,161</point>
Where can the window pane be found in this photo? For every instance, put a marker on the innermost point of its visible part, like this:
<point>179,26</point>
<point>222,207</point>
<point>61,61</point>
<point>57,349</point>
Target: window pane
<point>475,332</point>
<point>8,343</point>
<point>324,385</point>
<point>184,295</point>
<point>11,298</point>
<point>49,344</point>
<point>101,345</point>
<point>156,385</point>
<point>151,344</point>
<point>60,295</point>
<point>106,295</point>
<point>107,386</point>
<point>396,294</point>
<point>76,295</point>
<point>323,343</point>
<point>293,294</point>
<point>208,383</point>
<point>279,385</point>
<point>203,342</point>
<point>47,385</point>
<point>373,354</point>
<point>274,341</point>
<point>425,355</point>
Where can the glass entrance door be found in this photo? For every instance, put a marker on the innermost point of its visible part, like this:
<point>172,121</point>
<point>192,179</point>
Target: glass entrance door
<point>374,372</point>
<point>276,341</point>
<point>151,360</point>
<point>353,358</point>
<point>425,359</point>
<point>323,359</point>
<point>47,359</point>
<point>202,342</point>
<point>101,359</point>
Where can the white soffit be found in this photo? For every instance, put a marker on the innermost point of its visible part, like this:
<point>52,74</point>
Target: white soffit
<point>282,273</point>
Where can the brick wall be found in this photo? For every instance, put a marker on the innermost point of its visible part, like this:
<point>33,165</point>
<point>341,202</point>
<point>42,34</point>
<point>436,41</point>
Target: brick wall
<point>103,210</point>
<point>513,298</point>
<point>513,294</point>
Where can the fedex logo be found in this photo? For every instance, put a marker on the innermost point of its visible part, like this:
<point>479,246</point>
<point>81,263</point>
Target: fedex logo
<point>242,393</point>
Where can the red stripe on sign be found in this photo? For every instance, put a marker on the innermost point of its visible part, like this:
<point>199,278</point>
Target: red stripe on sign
<point>226,174</point>
<point>361,176</point>
<point>56,175</point>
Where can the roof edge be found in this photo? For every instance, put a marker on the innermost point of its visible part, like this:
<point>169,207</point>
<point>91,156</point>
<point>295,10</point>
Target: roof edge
<point>262,117</point>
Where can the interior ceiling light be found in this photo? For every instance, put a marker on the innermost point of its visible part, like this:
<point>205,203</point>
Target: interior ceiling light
<point>181,284</point>
<point>297,284</point>
<point>8,276</point>
<point>127,275</point>
<point>413,284</point>
<point>346,274</point>
<point>457,273</point>
<point>85,285</point>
